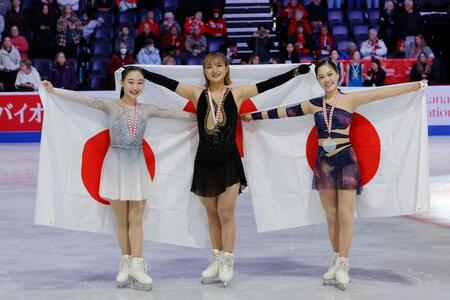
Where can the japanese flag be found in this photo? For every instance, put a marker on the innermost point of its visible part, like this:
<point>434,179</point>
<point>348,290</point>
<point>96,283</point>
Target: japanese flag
<point>389,138</point>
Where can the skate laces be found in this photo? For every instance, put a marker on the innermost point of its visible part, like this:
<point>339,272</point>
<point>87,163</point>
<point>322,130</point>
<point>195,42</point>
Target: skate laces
<point>124,263</point>
<point>141,264</point>
<point>342,265</point>
<point>226,260</point>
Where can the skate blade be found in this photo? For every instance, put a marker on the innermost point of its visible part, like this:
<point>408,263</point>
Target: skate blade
<point>134,284</point>
<point>122,285</point>
<point>226,283</point>
<point>341,286</point>
<point>329,282</point>
<point>210,280</point>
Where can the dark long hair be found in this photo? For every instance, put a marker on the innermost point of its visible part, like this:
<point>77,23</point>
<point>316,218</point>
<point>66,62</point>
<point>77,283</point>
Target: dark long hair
<point>126,71</point>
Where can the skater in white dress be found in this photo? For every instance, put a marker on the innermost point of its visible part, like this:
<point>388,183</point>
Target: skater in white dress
<point>125,181</point>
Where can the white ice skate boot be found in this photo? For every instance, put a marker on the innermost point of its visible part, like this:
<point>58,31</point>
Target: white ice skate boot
<point>329,277</point>
<point>342,278</point>
<point>124,268</point>
<point>226,268</point>
<point>139,278</point>
<point>211,273</point>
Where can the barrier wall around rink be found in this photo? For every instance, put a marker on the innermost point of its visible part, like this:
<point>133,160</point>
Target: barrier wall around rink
<point>21,114</point>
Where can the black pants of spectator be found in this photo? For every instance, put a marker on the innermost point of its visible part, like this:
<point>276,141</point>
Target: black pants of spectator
<point>8,79</point>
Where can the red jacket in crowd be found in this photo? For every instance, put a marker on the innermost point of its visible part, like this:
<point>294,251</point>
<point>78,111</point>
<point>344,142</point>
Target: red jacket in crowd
<point>216,27</point>
<point>189,24</point>
<point>289,11</point>
<point>154,27</point>
<point>292,30</point>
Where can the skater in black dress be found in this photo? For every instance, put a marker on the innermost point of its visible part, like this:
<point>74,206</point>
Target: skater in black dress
<point>218,171</point>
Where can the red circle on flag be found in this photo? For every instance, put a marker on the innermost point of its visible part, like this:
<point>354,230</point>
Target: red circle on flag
<point>94,152</point>
<point>365,141</point>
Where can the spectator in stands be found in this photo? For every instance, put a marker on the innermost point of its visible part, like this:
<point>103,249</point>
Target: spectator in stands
<point>62,75</point>
<point>288,12</point>
<point>355,71</point>
<point>195,21</point>
<point>348,53</point>
<point>173,44</point>
<point>423,69</point>
<point>44,33</point>
<point>323,43</point>
<point>19,41</point>
<point>232,53</point>
<point>302,43</point>
<point>196,43</point>
<point>169,60</point>
<point>254,60</point>
<point>125,5</point>
<point>150,20</point>
<point>17,16</point>
<point>89,24</point>
<point>142,38</point>
<point>375,75</point>
<point>261,43</point>
<point>289,55</point>
<point>410,25</point>
<point>28,78</point>
<point>318,15</point>
<point>149,55</point>
<point>2,26</point>
<point>104,5</point>
<point>119,59</point>
<point>69,31</point>
<point>420,46</point>
<point>5,5</point>
<point>169,21</point>
<point>373,46</point>
<point>400,51</point>
<point>124,37</point>
<point>299,19</point>
<point>216,26</point>
<point>9,64</point>
<point>388,22</point>
<point>275,60</point>
<point>73,3</point>
<point>334,57</point>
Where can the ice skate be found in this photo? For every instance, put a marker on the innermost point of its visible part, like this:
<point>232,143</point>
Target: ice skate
<point>342,278</point>
<point>139,278</point>
<point>226,268</point>
<point>211,273</point>
<point>329,277</point>
<point>124,268</point>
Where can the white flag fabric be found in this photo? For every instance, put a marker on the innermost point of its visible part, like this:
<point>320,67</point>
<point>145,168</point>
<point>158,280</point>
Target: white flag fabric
<point>173,215</point>
<point>391,145</point>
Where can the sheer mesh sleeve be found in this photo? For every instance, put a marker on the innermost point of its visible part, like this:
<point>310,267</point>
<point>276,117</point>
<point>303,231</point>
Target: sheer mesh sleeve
<point>100,103</point>
<point>155,111</point>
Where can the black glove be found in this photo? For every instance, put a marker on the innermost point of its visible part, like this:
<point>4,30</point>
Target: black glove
<point>303,69</point>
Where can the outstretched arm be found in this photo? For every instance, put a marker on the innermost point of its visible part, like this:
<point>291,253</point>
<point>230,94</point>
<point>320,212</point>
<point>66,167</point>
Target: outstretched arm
<point>186,91</point>
<point>155,111</point>
<point>75,96</point>
<point>247,91</point>
<point>301,109</point>
<point>360,98</point>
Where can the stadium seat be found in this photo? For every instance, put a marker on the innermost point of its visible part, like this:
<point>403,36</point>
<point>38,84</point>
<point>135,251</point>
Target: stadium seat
<point>335,17</point>
<point>170,4</point>
<point>43,66</point>
<point>342,45</point>
<point>361,31</point>
<point>108,18</point>
<point>99,67</point>
<point>195,60</point>
<point>98,83</point>
<point>104,34</point>
<point>101,50</point>
<point>128,18</point>
<point>355,17</point>
<point>214,44</point>
<point>340,31</point>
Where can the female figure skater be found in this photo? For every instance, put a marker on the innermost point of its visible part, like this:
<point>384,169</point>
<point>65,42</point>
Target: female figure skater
<point>336,172</point>
<point>218,172</point>
<point>125,180</point>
